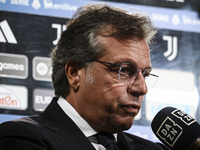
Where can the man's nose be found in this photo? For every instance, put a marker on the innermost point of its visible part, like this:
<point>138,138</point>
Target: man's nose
<point>138,87</point>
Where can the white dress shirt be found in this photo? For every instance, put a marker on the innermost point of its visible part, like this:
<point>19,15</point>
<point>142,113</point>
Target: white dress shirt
<point>87,130</point>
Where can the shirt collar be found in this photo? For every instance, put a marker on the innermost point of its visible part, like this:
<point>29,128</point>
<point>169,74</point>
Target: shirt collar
<point>74,115</point>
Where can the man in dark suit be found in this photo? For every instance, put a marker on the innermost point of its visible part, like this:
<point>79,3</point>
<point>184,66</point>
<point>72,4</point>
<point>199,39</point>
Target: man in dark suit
<point>99,68</point>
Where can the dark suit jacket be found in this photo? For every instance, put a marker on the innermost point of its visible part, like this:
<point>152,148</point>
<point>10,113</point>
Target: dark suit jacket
<point>54,130</point>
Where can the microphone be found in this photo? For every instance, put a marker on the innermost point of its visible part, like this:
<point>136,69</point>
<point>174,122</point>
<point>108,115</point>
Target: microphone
<point>176,129</point>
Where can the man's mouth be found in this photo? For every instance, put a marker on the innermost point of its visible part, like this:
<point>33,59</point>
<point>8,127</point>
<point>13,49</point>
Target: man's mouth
<point>131,109</point>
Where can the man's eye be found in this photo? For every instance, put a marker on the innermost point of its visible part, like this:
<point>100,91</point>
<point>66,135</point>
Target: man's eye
<point>146,73</point>
<point>125,70</point>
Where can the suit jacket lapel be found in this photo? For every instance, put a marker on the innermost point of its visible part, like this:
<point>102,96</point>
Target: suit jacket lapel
<point>124,142</point>
<point>66,130</point>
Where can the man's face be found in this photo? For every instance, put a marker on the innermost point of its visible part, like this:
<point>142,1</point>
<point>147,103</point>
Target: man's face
<point>105,102</point>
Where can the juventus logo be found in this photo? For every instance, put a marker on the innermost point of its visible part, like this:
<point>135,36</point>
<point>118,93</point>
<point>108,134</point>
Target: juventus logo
<point>172,47</point>
<point>60,28</point>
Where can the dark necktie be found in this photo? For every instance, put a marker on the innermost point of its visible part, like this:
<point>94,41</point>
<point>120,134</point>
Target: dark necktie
<point>107,140</point>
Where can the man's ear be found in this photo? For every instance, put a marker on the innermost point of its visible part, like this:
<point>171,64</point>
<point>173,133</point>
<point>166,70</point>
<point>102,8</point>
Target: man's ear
<point>73,72</point>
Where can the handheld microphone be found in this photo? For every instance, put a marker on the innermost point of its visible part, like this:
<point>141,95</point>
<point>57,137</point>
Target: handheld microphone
<point>176,129</point>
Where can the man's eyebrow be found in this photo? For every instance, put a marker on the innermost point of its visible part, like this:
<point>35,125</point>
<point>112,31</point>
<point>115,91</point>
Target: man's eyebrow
<point>133,63</point>
<point>126,61</point>
<point>149,67</point>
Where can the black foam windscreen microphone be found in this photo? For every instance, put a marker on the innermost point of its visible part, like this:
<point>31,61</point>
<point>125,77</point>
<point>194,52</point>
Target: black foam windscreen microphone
<point>176,129</point>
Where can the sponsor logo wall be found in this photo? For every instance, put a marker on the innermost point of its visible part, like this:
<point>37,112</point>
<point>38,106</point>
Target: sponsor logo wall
<point>29,29</point>
<point>25,68</point>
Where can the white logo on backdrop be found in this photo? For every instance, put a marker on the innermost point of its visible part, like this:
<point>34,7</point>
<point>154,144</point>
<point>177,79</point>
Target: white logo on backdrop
<point>176,19</point>
<point>13,97</point>
<point>36,4</point>
<point>42,68</point>
<point>48,4</point>
<point>6,34</point>
<point>8,98</point>
<point>60,28</point>
<point>172,47</point>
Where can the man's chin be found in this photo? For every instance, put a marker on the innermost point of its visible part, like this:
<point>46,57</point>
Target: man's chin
<point>126,124</point>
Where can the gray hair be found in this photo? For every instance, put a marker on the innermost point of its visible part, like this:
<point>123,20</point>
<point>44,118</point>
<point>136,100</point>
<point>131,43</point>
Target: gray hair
<point>79,43</point>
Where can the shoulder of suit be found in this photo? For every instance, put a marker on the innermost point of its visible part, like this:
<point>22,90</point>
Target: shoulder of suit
<point>22,123</point>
